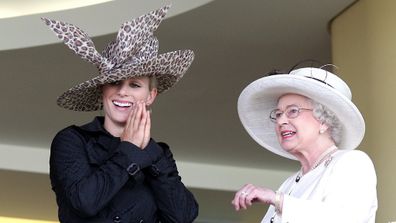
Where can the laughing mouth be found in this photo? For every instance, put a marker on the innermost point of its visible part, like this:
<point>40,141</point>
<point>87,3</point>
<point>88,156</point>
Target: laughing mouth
<point>287,134</point>
<point>123,104</point>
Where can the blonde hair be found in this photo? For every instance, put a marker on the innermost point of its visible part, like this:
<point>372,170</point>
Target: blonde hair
<point>153,82</point>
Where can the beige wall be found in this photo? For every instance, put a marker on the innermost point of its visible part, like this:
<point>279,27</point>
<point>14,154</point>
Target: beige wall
<point>364,47</point>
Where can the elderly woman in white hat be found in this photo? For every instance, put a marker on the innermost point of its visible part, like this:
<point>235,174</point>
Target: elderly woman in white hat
<point>111,170</point>
<point>307,115</point>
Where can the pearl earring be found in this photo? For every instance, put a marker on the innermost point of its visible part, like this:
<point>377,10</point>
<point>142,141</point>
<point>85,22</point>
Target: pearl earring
<point>321,131</point>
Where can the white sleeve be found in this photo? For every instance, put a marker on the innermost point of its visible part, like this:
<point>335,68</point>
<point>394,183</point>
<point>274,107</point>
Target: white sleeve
<point>349,196</point>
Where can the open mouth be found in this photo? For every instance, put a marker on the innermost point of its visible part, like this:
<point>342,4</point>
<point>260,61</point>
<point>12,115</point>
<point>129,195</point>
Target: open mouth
<point>287,134</point>
<point>122,104</point>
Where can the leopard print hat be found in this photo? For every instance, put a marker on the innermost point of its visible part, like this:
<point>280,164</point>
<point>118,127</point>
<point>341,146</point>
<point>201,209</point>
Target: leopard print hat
<point>134,53</point>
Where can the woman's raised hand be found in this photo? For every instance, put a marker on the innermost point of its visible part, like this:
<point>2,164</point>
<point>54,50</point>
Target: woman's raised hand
<point>250,193</point>
<point>137,128</point>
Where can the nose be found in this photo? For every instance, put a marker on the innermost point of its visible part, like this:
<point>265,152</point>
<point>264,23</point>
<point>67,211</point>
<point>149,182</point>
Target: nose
<point>283,119</point>
<point>123,89</point>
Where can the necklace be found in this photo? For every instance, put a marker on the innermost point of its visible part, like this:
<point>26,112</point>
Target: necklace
<point>324,156</point>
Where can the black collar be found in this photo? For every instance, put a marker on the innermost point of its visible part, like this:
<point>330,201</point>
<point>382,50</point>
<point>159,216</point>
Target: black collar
<point>97,125</point>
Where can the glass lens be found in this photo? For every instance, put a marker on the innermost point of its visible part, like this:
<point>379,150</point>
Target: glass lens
<point>292,112</point>
<point>275,114</point>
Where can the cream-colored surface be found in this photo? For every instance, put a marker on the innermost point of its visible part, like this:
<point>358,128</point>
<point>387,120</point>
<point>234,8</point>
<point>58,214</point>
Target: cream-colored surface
<point>21,220</point>
<point>364,46</point>
<point>12,8</point>
<point>27,29</point>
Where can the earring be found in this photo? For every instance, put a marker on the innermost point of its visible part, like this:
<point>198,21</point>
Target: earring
<point>321,131</point>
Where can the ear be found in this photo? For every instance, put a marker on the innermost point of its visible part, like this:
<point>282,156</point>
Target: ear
<point>151,97</point>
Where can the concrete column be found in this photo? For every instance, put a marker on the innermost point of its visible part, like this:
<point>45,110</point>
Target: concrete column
<point>364,48</point>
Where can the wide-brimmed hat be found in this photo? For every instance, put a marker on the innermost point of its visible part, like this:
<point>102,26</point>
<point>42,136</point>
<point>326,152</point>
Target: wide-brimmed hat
<point>133,53</point>
<point>260,97</point>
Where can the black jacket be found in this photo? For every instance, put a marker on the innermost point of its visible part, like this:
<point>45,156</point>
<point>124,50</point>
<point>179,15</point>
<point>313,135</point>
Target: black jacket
<point>98,178</point>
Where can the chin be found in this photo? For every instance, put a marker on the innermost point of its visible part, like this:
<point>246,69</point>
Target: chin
<point>118,119</point>
<point>121,120</point>
<point>287,147</point>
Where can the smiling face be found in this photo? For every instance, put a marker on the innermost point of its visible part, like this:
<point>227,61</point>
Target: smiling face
<point>300,133</point>
<point>119,98</point>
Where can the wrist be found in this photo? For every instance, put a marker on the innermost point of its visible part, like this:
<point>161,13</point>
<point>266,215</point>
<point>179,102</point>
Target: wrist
<point>278,202</point>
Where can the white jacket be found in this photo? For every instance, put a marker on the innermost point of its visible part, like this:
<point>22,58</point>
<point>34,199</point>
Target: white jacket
<point>341,190</point>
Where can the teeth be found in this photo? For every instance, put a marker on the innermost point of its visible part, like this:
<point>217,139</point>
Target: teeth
<point>122,104</point>
<point>287,133</point>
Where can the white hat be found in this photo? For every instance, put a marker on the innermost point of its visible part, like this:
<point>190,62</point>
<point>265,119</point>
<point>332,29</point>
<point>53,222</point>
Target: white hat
<point>260,97</point>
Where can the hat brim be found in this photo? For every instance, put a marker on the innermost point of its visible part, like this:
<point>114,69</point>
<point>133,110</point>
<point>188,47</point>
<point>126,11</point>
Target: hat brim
<point>260,97</point>
<point>168,68</point>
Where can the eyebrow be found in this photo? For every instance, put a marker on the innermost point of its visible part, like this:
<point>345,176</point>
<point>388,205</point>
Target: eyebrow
<point>292,105</point>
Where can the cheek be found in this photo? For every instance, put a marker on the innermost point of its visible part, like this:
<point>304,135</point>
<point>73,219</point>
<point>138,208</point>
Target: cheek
<point>277,130</point>
<point>145,95</point>
<point>105,104</point>
<point>278,134</point>
<point>308,129</point>
<point>105,98</point>
<point>106,92</point>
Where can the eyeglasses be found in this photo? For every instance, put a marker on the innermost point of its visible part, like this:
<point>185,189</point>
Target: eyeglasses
<point>290,112</point>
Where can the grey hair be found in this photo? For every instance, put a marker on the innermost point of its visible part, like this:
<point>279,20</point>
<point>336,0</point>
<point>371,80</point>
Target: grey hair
<point>325,116</point>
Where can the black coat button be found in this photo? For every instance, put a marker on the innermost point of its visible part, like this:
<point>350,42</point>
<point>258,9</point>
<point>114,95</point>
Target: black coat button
<point>133,169</point>
<point>117,219</point>
<point>155,171</point>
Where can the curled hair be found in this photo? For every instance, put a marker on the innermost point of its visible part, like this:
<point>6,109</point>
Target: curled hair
<point>325,116</point>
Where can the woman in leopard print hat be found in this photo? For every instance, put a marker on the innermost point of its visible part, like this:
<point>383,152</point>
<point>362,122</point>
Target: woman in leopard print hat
<point>111,170</point>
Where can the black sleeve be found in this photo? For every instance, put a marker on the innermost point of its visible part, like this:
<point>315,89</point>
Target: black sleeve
<point>175,202</point>
<point>85,189</point>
